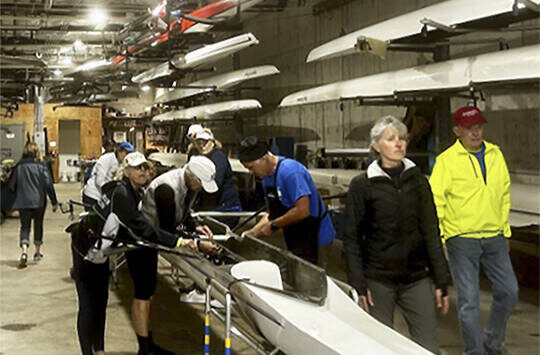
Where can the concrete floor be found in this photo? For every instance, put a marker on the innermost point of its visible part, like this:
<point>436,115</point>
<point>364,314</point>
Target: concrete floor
<point>38,305</point>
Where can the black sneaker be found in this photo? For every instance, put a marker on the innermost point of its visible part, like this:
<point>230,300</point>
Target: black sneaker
<point>38,257</point>
<point>158,350</point>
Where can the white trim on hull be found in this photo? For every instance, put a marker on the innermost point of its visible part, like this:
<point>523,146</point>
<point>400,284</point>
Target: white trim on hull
<point>216,83</point>
<point>208,111</point>
<point>204,55</point>
<point>448,13</point>
<point>511,65</point>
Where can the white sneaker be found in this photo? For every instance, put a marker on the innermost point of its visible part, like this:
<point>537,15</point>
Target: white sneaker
<point>198,298</point>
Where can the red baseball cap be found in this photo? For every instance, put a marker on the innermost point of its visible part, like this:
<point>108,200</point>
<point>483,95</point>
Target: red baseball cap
<point>467,116</point>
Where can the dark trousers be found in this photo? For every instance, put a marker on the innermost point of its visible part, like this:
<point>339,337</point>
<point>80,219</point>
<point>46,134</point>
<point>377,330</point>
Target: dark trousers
<point>26,216</point>
<point>93,293</point>
<point>88,201</point>
<point>416,302</point>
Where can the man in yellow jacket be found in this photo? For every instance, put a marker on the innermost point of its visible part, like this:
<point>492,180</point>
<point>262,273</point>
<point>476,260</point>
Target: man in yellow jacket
<point>471,189</point>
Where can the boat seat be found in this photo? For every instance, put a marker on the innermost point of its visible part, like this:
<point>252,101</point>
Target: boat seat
<point>259,272</point>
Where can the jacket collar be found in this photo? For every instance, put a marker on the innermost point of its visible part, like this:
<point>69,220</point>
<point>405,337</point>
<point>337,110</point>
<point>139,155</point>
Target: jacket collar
<point>460,149</point>
<point>27,160</point>
<point>375,170</point>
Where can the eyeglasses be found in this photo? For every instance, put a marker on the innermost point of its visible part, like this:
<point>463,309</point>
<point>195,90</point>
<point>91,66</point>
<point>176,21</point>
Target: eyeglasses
<point>142,167</point>
<point>249,141</point>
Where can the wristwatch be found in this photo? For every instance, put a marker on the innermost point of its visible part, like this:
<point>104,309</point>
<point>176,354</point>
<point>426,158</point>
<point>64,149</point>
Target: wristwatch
<point>273,226</point>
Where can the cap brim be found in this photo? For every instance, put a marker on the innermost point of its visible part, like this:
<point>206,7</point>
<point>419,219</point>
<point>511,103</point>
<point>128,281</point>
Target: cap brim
<point>479,120</point>
<point>139,164</point>
<point>209,186</point>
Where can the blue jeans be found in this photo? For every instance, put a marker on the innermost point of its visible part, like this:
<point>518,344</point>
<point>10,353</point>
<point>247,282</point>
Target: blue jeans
<point>465,256</point>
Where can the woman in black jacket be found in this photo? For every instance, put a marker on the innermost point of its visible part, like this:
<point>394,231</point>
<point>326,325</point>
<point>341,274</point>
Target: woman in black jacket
<point>31,182</point>
<point>123,222</point>
<point>391,241</point>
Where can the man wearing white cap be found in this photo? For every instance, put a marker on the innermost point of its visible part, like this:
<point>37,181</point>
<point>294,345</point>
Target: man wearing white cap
<point>166,205</point>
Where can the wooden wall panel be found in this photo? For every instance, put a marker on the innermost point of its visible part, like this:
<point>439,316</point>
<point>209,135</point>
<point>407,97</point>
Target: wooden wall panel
<point>90,126</point>
<point>25,115</point>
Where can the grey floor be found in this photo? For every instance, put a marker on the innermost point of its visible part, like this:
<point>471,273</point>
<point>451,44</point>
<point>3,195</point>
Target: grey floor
<point>38,304</point>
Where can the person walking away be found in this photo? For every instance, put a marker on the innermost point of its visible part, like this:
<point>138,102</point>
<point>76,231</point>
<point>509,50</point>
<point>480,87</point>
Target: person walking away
<point>31,182</point>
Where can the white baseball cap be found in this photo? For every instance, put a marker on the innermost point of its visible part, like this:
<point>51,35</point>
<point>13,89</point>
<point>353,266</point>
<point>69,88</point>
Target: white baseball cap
<point>205,170</point>
<point>135,159</point>
<point>194,129</point>
<point>206,135</point>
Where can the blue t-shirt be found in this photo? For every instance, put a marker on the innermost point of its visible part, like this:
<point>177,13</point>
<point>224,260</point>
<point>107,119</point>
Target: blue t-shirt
<point>480,157</point>
<point>293,182</point>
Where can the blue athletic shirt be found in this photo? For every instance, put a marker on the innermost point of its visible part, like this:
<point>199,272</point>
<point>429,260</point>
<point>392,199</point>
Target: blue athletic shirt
<point>293,182</point>
<point>480,157</point>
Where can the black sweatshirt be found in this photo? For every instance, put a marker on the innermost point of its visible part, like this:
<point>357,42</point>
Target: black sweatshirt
<point>125,202</point>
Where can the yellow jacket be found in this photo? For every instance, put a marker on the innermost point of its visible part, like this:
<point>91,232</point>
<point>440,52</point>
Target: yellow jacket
<point>466,205</point>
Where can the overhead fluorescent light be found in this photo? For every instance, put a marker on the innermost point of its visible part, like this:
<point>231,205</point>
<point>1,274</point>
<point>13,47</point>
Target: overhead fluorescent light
<point>98,16</point>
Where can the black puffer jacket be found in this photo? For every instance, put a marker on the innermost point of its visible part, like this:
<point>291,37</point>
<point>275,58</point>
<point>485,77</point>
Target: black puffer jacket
<point>391,230</point>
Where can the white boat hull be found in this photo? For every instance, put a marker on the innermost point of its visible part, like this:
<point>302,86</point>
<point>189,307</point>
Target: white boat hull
<point>208,111</point>
<point>511,65</point>
<point>339,326</point>
<point>204,55</point>
<point>216,83</point>
<point>447,13</point>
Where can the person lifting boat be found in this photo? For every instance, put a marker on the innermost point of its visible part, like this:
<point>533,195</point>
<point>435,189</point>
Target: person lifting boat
<point>115,218</point>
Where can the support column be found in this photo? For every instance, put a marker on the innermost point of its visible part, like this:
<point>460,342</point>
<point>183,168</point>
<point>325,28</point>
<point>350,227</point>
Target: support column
<point>39,117</point>
<point>443,120</point>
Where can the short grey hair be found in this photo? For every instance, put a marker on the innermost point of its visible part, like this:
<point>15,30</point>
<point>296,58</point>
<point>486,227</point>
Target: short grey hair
<point>380,126</point>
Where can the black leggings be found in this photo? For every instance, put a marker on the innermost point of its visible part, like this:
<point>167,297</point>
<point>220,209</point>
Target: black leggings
<point>142,265</point>
<point>93,292</point>
<point>89,201</point>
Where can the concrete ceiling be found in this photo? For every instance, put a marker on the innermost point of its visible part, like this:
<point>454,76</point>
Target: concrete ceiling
<point>39,37</point>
